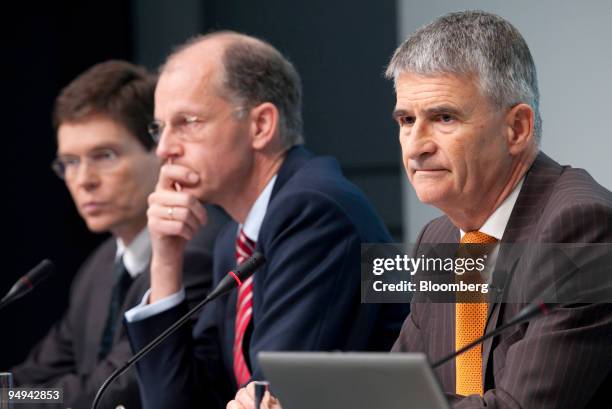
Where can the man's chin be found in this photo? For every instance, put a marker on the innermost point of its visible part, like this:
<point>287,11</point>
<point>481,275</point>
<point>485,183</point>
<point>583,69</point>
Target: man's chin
<point>429,197</point>
<point>98,226</point>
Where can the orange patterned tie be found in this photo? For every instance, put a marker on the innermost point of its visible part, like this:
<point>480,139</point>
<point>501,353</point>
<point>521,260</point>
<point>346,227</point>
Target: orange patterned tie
<point>470,320</point>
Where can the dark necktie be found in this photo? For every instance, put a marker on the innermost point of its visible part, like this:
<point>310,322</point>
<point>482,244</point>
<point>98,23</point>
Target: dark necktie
<point>122,280</point>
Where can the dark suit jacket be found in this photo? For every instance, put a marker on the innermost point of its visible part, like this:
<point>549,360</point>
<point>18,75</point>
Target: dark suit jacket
<point>305,297</point>
<point>561,360</point>
<point>67,357</point>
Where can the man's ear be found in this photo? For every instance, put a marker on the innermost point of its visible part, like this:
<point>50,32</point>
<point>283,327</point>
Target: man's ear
<point>264,120</point>
<point>520,122</point>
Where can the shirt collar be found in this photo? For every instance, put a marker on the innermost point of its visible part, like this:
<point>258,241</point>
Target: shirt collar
<point>496,224</point>
<point>254,219</point>
<point>137,255</point>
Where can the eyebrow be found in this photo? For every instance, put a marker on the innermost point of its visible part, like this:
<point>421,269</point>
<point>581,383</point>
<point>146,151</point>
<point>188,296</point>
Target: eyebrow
<point>106,146</point>
<point>183,112</point>
<point>399,112</point>
<point>443,109</point>
<point>437,110</point>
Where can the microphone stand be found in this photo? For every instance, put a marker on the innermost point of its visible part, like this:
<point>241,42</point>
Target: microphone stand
<point>229,282</point>
<point>530,311</point>
<point>525,314</point>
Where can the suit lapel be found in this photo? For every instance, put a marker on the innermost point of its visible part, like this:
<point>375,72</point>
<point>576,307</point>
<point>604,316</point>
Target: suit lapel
<point>441,240</point>
<point>98,305</point>
<point>529,205</point>
<point>100,299</point>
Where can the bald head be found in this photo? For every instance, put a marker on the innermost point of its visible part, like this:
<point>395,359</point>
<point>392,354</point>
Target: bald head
<point>213,45</point>
<point>248,72</point>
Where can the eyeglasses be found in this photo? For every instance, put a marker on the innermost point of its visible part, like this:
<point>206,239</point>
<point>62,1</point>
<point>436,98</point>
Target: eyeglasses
<point>183,124</point>
<point>67,166</point>
<point>186,126</point>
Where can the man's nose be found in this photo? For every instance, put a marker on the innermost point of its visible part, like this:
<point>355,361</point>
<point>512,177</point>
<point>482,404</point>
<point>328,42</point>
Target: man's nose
<point>86,175</point>
<point>168,145</point>
<point>417,141</point>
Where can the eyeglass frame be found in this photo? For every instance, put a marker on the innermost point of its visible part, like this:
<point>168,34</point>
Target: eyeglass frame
<point>59,166</point>
<point>156,127</point>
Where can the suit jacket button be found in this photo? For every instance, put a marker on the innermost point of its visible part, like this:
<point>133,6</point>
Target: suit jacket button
<point>120,407</point>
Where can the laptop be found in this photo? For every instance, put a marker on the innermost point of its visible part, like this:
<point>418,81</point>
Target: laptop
<point>333,380</point>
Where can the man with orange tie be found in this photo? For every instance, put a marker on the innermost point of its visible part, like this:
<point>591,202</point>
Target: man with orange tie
<point>468,116</point>
<point>470,129</point>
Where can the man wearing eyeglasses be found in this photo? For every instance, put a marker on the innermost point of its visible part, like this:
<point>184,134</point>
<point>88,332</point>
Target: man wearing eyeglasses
<point>228,123</point>
<point>107,160</point>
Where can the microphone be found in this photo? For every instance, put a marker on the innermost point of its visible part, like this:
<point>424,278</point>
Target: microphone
<point>231,280</point>
<point>528,312</point>
<point>27,283</point>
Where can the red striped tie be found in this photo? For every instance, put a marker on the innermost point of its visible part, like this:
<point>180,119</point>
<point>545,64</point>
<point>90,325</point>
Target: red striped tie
<point>244,309</point>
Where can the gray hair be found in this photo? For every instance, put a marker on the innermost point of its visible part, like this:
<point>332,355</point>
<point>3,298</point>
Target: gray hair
<point>474,43</point>
<point>255,72</point>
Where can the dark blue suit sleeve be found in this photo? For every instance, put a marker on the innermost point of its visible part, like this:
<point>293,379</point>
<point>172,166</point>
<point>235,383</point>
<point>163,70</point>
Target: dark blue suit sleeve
<point>182,372</point>
<point>171,376</point>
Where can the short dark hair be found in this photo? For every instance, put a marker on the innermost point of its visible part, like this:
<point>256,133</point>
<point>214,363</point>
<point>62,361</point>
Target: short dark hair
<point>118,89</point>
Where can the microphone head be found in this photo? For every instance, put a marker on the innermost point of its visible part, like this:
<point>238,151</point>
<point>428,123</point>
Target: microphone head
<point>244,270</point>
<point>27,282</point>
<point>40,273</point>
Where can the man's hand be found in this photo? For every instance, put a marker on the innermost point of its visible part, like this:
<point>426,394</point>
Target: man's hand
<point>174,216</point>
<point>245,399</point>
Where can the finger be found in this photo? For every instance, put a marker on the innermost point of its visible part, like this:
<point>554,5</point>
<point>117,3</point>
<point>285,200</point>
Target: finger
<point>162,227</point>
<point>177,186</point>
<point>234,405</point>
<point>250,389</point>
<point>270,402</point>
<point>174,213</point>
<point>245,399</point>
<point>167,198</point>
<point>173,173</point>
<point>169,228</point>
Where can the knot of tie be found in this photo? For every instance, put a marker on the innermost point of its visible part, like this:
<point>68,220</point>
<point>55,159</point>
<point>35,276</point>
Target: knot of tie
<point>475,244</point>
<point>477,237</point>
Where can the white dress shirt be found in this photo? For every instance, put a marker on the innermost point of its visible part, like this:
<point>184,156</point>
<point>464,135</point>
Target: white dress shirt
<point>495,226</point>
<point>137,255</point>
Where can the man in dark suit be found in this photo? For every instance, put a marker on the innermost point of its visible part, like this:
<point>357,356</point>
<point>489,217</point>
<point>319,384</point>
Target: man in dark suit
<point>229,126</point>
<point>467,108</point>
<point>106,158</point>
